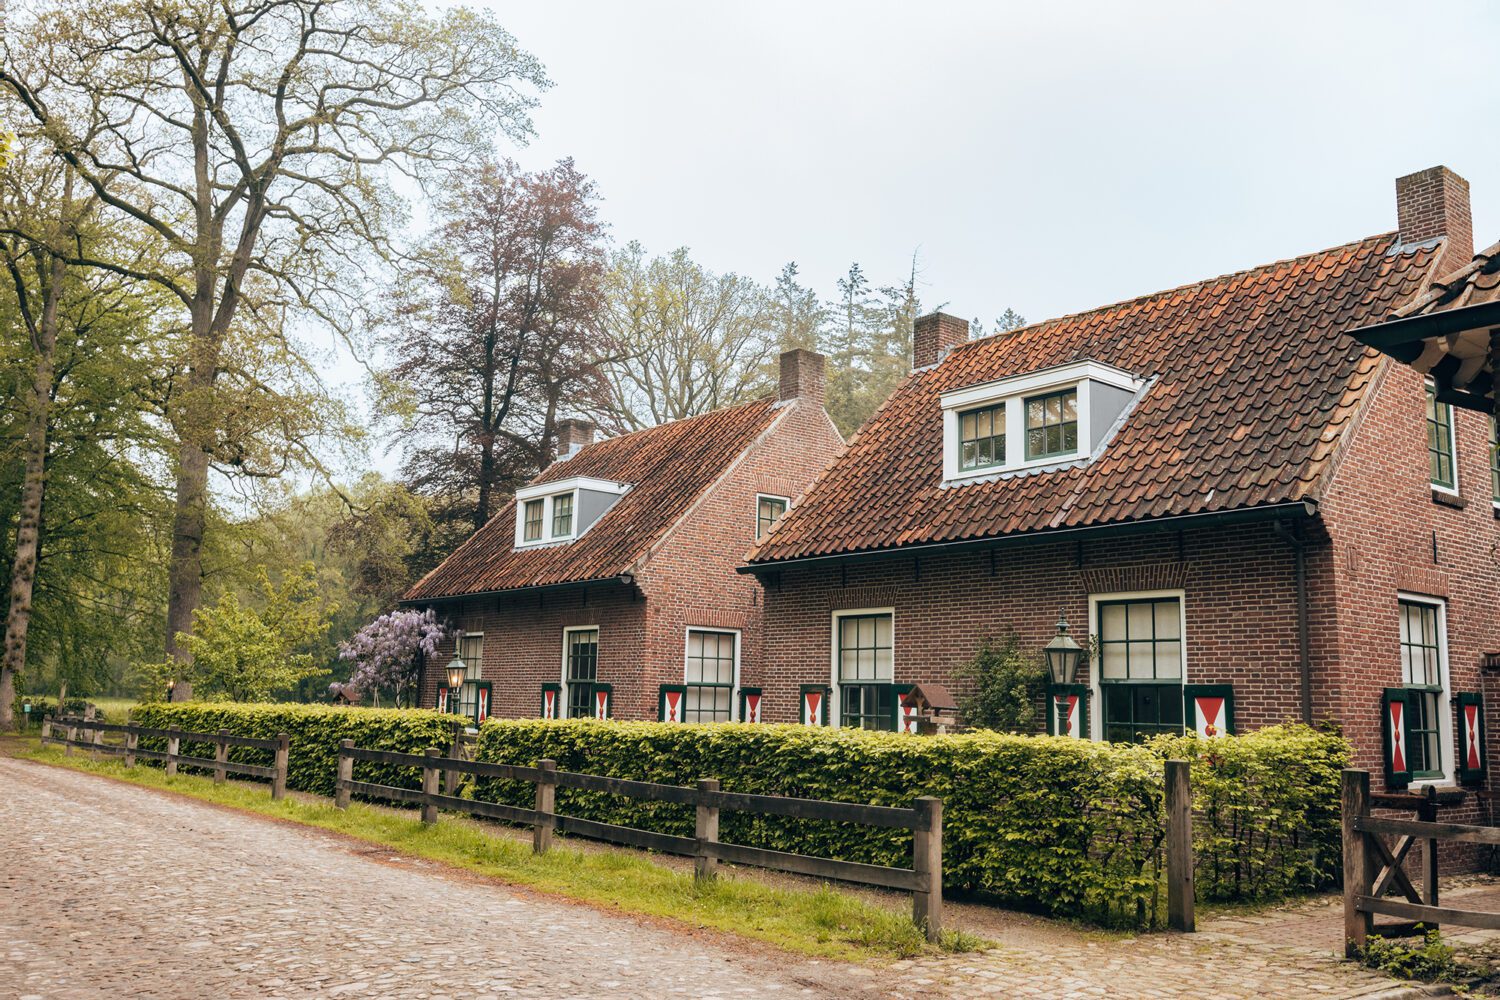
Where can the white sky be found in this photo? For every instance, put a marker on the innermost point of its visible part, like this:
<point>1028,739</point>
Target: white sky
<point>1045,156</point>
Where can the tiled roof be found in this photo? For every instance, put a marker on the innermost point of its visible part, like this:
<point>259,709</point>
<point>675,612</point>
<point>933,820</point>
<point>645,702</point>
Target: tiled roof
<point>668,467</point>
<point>1253,383</point>
<point>1476,283</point>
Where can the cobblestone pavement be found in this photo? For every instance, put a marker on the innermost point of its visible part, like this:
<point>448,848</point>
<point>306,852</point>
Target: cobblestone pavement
<point>107,890</point>
<point>112,891</point>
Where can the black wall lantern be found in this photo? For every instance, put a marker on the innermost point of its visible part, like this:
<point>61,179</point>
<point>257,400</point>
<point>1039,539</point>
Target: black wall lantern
<point>456,672</point>
<point>1063,654</point>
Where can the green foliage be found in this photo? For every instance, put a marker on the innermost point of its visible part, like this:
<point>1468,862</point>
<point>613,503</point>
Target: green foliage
<point>1431,961</point>
<point>1266,810</point>
<point>1008,683</point>
<point>247,654</point>
<point>315,731</point>
<point>1070,827</point>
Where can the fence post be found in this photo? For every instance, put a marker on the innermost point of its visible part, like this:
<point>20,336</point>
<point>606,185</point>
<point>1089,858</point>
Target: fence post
<point>345,774</point>
<point>46,728</point>
<point>72,735</point>
<point>430,785</point>
<point>455,751</point>
<point>1180,893</point>
<point>97,741</point>
<point>927,862</point>
<point>707,829</point>
<point>546,807</point>
<point>278,780</point>
<point>221,754</point>
<point>174,746</point>
<point>130,745</point>
<point>1355,802</point>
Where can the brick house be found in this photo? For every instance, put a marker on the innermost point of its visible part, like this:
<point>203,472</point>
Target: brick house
<point>1250,515</point>
<point>607,587</point>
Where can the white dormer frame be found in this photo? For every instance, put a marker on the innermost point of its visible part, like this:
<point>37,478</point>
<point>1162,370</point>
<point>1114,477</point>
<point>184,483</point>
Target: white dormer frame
<point>1013,392</point>
<point>549,493</point>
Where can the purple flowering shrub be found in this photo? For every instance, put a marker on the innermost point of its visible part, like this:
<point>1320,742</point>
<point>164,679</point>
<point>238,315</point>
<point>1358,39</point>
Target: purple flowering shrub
<point>388,653</point>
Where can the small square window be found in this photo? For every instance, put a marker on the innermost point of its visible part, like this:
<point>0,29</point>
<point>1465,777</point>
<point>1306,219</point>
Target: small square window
<point>532,525</point>
<point>1052,425</point>
<point>562,515</point>
<point>768,510</point>
<point>1440,441</point>
<point>981,438</point>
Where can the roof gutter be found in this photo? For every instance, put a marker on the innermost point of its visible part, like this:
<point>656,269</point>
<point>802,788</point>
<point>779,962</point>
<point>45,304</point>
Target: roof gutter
<point>1294,510</point>
<point>1394,333</point>
<point>625,579</point>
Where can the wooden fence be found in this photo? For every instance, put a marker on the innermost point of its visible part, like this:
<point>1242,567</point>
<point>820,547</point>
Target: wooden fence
<point>925,819</point>
<point>220,763</point>
<point>1373,867</point>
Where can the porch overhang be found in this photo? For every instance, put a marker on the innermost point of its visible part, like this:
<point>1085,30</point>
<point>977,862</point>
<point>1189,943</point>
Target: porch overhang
<point>1459,349</point>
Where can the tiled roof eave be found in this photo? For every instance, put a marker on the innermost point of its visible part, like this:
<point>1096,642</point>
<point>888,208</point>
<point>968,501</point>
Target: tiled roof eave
<point>529,589</point>
<point>1292,509</point>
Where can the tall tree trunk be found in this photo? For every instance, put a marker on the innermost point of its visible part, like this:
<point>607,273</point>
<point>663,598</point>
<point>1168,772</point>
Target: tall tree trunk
<point>33,489</point>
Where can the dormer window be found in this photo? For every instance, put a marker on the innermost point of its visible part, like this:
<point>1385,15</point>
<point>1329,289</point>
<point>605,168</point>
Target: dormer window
<point>550,513</point>
<point>1037,420</point>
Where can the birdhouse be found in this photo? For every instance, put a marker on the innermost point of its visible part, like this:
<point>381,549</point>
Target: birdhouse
<point>931,709</point>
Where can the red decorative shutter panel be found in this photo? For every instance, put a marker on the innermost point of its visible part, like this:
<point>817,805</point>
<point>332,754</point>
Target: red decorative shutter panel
<point>1471,748</point>
<point>1209,709</point>
<point>1394,723</point>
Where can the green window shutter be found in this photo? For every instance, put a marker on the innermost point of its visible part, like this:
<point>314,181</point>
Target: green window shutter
<point>750,704</point>
<point>1070,702</point>
<point>1471,745</point>
<point>670,701</point>
<point>552,701</point>
<point>1395,725</point>
<point>813,704</point>
<point>1208,709</point>
<point>604,701</point>
<point>483,691</point>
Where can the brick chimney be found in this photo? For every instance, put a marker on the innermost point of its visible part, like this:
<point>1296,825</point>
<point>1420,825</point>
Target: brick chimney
<point>802,376</point>
<point>573,435</point>
<point>933,336</point>
<point>1432,203</point>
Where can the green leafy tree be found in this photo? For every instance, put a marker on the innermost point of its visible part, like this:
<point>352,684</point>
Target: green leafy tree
<point>243,653</point>
<point>1007,683</point>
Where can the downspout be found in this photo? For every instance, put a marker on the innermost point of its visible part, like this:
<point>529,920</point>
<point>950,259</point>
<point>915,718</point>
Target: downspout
<point>1293,537</point>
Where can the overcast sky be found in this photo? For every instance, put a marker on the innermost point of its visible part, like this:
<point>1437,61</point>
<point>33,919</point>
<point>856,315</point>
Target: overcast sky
<point>1045,156</point>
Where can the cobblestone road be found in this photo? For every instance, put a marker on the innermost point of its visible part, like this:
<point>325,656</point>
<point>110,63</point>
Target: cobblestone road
<point>112,891</point>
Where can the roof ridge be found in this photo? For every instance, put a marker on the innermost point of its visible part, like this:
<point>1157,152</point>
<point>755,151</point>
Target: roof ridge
<point>1134,300</point>
<point>768,397</point>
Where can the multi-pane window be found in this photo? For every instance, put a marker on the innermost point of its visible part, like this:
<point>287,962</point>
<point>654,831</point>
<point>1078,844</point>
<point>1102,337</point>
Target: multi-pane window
<point>471,651</point>
<point>1440,441</point>
<point>710,676</point>
<point>1422,674</point>
<point>1140,667</point>
<point>981,437</point>
<point>768,510</point>
<point>1495,459</point>
<point>532,525</point>
<point>562,515</point>
<point>865,657</point>
<point>1052,424</point>
<point>581,652</point>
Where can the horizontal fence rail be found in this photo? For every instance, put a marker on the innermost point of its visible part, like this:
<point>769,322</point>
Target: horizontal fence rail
<point>1373,867</point>
<point>924,880</point>
<point>220,763</point>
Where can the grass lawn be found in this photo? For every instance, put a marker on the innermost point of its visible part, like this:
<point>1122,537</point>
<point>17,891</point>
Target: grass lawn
<point>825,923</point>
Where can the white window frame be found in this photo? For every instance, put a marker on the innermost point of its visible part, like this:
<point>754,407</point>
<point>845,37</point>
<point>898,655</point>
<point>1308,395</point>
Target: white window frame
<point>756,513</point>
<point>835,688</point>
<point>1445,696</point>
<point>548,493</point>
<point>562,707</point>
<point>734,691</point>
<point>467,679</point>
<point>1096,664</point>
<point>1429,385</point>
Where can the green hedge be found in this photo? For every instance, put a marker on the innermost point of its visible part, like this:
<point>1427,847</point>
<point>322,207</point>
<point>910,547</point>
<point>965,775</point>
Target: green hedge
<point>315,731</point>
<point>1065,826</point>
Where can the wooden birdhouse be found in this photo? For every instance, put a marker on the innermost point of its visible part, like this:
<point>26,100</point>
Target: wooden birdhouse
<point>928,708</point>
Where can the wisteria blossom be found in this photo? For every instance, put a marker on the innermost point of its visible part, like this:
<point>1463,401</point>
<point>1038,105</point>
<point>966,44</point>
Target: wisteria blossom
<point>388,653</point>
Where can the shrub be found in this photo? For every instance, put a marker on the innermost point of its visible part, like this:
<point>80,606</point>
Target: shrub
<point>1066,826</point>
<point>315,731</point>
<point>1431,961</point>
<point>1008,682</point>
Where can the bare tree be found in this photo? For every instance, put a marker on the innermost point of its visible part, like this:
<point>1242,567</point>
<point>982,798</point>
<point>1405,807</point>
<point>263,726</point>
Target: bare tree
<point>691,340</point>
<point>254,142</point>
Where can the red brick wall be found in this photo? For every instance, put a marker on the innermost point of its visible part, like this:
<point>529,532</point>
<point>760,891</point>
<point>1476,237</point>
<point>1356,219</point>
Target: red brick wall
<point>688,579</point>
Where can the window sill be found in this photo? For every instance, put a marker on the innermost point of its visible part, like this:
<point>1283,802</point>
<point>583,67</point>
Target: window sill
<point>1448,499</point>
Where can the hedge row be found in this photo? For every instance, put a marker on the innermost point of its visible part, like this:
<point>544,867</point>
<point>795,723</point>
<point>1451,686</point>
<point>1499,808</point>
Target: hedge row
<point>1065,826</point>
<point>315,731</point>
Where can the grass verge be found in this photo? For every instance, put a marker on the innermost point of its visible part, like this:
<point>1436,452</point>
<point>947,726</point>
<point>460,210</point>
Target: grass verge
<point>824,923</point>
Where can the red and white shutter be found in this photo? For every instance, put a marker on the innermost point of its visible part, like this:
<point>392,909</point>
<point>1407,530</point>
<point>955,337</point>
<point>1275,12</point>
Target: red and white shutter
<point>750,704</point>
<point>1394,723</point>
<point>814,705</point>
<point>1067,709</point>
<point>1471,749</point>
<point>482,707</point>
<point>602,694</point>
<point>908,710</point>
<point>1209,709</point>
<point>550,694</point>
<point>442,699</point>
<point>672,698</point>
